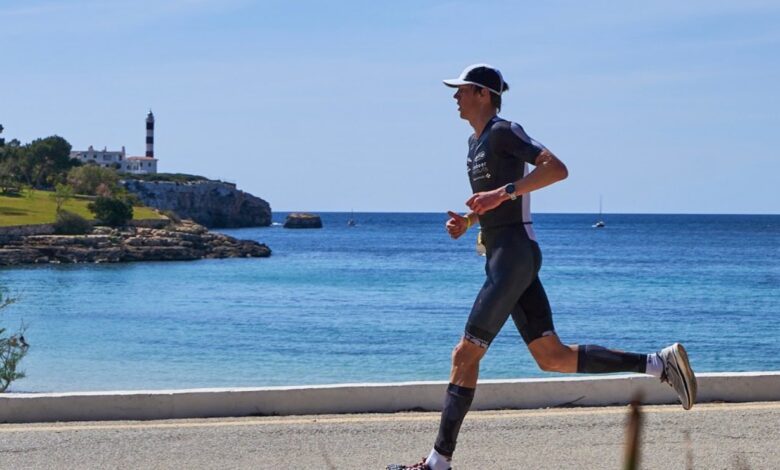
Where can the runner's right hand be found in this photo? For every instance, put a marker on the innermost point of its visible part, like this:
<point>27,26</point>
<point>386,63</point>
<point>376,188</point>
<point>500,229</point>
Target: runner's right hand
<point>456,225</point>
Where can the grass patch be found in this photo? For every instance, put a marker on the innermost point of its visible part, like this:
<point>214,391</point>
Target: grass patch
<point>37,207</point>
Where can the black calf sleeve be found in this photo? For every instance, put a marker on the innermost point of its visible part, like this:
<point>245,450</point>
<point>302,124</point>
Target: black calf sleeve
<point>456,405</point>
<point>598,360</point>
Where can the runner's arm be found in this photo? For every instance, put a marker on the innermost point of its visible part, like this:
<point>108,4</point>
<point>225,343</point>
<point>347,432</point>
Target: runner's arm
<point>549,169</point>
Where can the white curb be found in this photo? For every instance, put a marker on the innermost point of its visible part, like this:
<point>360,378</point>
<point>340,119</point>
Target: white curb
<point>383,398</point>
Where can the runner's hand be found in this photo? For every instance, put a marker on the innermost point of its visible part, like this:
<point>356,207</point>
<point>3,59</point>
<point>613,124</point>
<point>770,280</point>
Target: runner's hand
<point>456,225</point>
<point>485,201</point>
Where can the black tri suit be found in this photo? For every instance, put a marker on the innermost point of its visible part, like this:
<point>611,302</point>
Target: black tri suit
<point>501,155</point>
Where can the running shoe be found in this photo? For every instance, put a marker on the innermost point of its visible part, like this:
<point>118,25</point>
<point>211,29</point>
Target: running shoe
<point>678,373</point>
<point>418,466</point>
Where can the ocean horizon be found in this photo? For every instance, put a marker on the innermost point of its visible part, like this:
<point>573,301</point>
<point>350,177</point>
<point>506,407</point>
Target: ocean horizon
<point>386,301</point>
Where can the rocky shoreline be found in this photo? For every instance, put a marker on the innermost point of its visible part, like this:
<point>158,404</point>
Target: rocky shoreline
<point>174,242</point>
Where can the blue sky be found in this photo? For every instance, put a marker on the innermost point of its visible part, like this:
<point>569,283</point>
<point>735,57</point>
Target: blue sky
<point>662,107</point>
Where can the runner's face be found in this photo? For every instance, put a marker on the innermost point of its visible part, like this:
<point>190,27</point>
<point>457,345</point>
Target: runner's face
<point>468,99</point>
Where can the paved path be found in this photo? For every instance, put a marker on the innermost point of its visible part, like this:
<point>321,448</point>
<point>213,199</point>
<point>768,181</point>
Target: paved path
<point>711,436</point>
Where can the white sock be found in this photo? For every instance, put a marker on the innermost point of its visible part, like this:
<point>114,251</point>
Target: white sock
<point>437,461</point>
<point>655,366</point>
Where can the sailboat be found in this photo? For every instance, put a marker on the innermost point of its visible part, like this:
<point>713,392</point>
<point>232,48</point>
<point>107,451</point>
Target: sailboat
<point>351,221</point>
<point>600,222</point>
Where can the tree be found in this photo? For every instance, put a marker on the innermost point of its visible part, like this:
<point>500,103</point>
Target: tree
<point>7,178</point>
<point>111,211</point>
<point>93,180</point>
<point>62,193</point>
<point>12,350</point>
<point>45,161</point>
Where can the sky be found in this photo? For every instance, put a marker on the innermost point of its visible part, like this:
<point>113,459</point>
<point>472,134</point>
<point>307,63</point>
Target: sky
<point>657,107</point>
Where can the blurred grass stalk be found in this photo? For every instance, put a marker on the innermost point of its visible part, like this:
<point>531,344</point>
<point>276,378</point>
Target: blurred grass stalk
<point>633,435</point>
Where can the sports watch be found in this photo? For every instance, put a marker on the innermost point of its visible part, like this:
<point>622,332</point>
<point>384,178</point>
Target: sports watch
<point>510,190</point>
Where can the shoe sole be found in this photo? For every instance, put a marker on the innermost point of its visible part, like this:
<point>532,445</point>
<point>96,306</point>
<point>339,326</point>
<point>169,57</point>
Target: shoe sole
<point>689,378</point>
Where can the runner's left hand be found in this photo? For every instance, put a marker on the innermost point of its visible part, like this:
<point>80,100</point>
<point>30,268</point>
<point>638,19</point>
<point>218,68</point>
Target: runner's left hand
<point>486,200</point>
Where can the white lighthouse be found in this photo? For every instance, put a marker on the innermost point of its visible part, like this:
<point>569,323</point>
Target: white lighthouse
<point>150,135</point>
<point>147,163</point>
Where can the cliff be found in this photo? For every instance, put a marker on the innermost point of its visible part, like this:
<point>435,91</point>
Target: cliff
<point>209,203</point>
<point>174,242</point>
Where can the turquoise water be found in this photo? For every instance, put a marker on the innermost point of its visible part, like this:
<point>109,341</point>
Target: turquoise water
<point>387,300</point>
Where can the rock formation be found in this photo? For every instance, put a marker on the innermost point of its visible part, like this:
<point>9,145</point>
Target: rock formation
<point>209,203</point>
<point>183,241</point>
<point>301,220</point>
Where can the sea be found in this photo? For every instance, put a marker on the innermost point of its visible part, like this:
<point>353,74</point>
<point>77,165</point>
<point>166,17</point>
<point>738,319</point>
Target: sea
<point>387,299</point>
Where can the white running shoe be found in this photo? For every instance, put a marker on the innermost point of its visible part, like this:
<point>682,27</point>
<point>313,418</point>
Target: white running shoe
<point>418,466</point>
<point>679,374</point>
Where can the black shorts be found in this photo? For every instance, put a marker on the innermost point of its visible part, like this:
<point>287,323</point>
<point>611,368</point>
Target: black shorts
<point>512,287</point>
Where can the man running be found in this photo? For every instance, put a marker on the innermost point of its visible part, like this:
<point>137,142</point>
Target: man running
<point>499,156</point>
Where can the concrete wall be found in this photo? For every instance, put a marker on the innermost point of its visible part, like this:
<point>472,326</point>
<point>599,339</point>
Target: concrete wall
<point>360,398</point>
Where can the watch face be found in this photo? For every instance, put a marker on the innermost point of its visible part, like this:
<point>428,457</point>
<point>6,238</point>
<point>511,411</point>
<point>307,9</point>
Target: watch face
<point>510,188</point>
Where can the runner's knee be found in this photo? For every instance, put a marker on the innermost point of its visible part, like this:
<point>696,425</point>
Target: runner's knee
<point>467,354</point>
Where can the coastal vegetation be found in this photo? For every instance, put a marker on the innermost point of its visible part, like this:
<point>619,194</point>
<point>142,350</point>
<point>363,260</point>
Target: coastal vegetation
<point>168,177</point>
<point>41,164</point>
<point>12,349</point>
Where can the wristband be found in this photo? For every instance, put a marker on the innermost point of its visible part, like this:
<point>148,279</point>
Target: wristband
<point>468,222</point>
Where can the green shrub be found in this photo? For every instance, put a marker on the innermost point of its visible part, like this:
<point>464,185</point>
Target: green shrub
<point>68,223</point>
<point>111,211</point>
<point>12,350</point>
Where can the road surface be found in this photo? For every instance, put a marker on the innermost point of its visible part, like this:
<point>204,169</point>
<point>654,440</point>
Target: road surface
<point>711,436</point>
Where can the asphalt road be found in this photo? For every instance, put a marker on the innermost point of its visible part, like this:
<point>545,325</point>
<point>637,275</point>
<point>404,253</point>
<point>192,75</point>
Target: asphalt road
<point>711,436</point>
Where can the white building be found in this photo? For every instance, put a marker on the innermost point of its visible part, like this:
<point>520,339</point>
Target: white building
<point>116,159</point>
<point>106,158</point>
<point>140,165</point>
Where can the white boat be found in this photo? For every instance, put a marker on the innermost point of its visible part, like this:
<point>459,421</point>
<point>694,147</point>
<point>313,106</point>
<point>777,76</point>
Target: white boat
<point>351,221</point>
<point>600,222</point>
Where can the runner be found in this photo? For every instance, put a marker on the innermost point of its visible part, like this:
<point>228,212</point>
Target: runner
<point>499,156</point>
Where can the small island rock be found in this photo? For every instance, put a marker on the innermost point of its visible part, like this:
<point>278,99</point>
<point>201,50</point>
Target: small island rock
<point>302,220</point>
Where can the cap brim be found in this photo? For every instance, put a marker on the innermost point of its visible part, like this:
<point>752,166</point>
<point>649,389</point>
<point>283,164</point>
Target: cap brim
<point>456,82</point>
